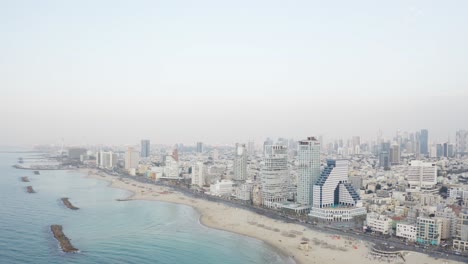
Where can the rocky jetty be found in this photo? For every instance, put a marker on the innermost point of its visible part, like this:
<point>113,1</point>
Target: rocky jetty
<point>68,204</point>
<point>65,243</point>
<point>30,189</point>
<point>25,179</point>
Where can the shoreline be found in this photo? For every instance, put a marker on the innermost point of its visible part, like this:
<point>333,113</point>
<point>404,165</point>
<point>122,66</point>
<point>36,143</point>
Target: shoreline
<point>284,238</point>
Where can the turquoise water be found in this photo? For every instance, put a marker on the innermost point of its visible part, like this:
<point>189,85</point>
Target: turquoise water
<point>107,231</point>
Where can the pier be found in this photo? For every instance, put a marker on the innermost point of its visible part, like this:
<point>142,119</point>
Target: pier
<point>68,204</point>
<point>65,243</point>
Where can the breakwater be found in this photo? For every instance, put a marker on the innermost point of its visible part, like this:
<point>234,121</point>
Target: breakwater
<point>30,189</point>
<point>68,204</point>
<point>65,243</point>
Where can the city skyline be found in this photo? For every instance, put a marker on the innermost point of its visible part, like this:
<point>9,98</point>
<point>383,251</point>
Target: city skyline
<point>213,72</point>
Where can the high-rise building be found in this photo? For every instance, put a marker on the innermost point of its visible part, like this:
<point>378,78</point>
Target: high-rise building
<point>461,142</point>
<point>424,139</point>
<point>251,148</point>
<point>334,197</point>
<point>274,175</point>
<point>199,171</point>
<point>395,154</point>
<point>145,148</point>
<point>171,167</point>
<point>308,157</point>
<point>422,174</point>
<point>384,159</point>
<point>132,159</point>
<point>106,159</point>
<point>200,147</point>
<point>440,150</point>
<point>240,162</point>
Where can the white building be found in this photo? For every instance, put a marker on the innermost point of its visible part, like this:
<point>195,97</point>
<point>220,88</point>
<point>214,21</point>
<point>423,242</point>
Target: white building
<point>171,168</point>
<point>199,172</point>
<point>379,223</point>
<point>308,157</point>
<point>428,230</point>
<point>407,231</point>
<point>244,191</point>
<point>106,159</point>
<point>220,188</point>
<point>240,162</point>
<point>132,159</point>
<point>422,174</point>
<point>274,175</point>
<point>334,197</point>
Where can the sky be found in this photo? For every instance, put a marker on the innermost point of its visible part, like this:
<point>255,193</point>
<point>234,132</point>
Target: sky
<point>115,72</point>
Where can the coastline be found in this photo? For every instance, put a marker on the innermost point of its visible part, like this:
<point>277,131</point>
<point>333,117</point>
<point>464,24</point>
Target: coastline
<point>283,237</point>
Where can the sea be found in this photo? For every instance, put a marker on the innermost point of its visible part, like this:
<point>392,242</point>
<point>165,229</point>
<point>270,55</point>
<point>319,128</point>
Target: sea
<point>106,230</point>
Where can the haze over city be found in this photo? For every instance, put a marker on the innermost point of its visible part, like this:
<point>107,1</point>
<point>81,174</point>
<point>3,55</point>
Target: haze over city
<point>114,72</point>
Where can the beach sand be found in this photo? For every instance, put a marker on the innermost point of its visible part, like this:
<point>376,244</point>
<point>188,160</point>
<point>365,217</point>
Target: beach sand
<point>323,247</point>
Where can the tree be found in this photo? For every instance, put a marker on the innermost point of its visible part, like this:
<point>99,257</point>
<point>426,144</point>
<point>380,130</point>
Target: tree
<point>378,186</point>
<point>443,190</point>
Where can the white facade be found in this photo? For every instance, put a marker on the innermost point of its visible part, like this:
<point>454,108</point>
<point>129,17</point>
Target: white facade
<point>274,175</point>
<point>171,168</point>
<point>132,159</point>
<point>244,191</point>
<point>422,174</point>
<point>461,144</point>
<point>379,223</point>
<point>240,163</point>
<point>334,197</point>
<point>406,231</point>
<point>223,187</point>
<point>199,171</point>
<point>106,159</point>
<point>308,170</point>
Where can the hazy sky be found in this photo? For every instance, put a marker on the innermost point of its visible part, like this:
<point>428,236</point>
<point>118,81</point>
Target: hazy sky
<point>184,71</point>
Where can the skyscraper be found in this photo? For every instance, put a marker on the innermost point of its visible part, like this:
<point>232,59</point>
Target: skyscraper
<point>461,142</point>
<point>424,141</point>
<point>199,147</point>
<point>132,159</point>
<point>145,148</point>
<point>308,170</point>
<point>240,162</point>
<point>274,175</point>
<point>395,154</point>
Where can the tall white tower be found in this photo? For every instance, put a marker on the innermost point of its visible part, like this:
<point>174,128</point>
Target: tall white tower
<point>240,162</point>
<point>309,169</point>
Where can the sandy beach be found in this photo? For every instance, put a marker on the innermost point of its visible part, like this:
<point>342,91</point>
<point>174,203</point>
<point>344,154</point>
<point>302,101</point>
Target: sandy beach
<point>323,247</point>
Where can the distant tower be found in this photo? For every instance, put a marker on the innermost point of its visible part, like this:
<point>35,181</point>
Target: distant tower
<point>240,162</point>
<point>424,139</point>
<point>461,142</point>
<point>145,148</point>
<point>199,147</point>
<point>309,169</point>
